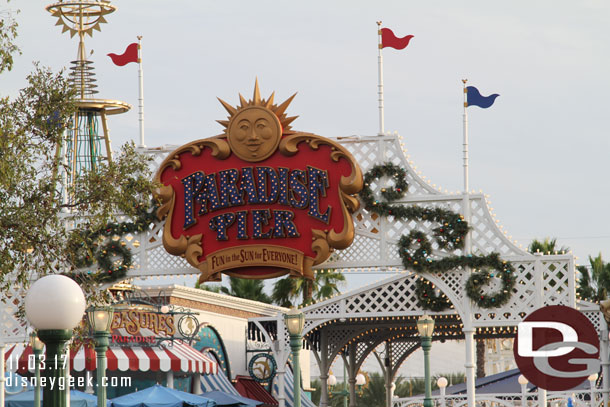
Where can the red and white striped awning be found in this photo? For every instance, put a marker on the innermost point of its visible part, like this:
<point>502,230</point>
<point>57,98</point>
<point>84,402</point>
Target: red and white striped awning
<point>179,357</point>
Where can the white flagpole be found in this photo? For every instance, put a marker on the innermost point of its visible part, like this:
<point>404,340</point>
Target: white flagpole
<point>465,143</point>
<point>141,97</point>
<point>467,242</point>
<point>468,328</point>
<point>380,76</point>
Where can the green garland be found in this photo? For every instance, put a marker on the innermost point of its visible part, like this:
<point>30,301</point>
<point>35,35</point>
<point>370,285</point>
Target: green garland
<point>415,249</point>
<point>427,297</point>
<point>86,249</point>
<point>105,263</point>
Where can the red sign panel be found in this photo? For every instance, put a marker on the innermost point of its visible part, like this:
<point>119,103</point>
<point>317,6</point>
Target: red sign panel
<point>260,200</point>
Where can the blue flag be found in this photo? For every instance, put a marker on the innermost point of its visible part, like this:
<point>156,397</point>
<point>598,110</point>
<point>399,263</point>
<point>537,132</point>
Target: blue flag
<point>474,98</point>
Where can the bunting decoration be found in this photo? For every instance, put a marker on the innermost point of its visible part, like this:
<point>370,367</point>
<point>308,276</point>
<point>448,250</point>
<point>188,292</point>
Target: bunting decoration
<point>388,39</point>
<point>133,53</point>
<point>474,98</point>
<point>130,55</point>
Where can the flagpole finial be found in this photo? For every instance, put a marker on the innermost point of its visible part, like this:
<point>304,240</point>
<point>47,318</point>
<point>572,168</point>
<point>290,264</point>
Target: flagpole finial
<point>464,81</point>
<point>139,38</point>
<point>379,23</point>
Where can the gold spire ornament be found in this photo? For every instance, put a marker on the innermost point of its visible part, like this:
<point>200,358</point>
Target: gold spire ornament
<point>80,17</point>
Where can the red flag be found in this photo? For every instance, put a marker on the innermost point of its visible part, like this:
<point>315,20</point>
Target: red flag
<point>388,39</point>
<point>130,55</point>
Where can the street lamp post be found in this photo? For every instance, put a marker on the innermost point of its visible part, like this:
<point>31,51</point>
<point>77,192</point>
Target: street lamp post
<point>592,379</point>
<point>100,320</point>
<point>54,305</point>
<point>37,347</point>
<point>523,382</point>
<point>342,392</point>
<point>425,326</point>
<point>442,384</point>
<point>345,391</point>
<point>295,321</point>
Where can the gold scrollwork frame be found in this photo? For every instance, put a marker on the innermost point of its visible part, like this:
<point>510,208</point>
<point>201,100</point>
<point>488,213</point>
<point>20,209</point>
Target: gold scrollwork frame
<point>186,246</point>
<point>323,241</point>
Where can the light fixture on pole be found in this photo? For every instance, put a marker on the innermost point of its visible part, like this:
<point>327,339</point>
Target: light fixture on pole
<point>360,379</point>
<point>523,382</point>
<point>332,380</point>
<point>425,326</point>
<point>100,320</point>
<point>442,383</point>
<point>37,347</point>
<point>54,305</point>
<point>295,321</point>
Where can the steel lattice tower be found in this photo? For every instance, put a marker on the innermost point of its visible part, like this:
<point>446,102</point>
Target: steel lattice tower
<point>85,144</point>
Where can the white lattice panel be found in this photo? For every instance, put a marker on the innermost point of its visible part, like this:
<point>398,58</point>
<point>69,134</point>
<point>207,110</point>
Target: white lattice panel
<point>376,237</point>
<point>596,319</point>
<point>11,329</point>
<point>486,235</point>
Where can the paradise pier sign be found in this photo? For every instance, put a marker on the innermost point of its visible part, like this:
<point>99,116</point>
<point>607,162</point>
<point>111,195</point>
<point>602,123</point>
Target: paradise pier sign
<point>260,200</point>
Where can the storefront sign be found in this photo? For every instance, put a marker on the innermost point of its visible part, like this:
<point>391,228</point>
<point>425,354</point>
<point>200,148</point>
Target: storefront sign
<point>133,320</point>
<point>262,367</point>
<point>260,200</point>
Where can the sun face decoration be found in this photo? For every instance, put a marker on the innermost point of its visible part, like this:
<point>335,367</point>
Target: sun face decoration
<point>254,128</point>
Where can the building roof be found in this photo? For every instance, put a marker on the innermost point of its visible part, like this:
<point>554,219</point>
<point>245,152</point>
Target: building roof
<point>248,387</point>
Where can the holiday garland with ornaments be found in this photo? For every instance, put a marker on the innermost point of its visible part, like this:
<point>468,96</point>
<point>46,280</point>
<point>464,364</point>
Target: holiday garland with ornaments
<point>103,246</point>
<point>415,248</point>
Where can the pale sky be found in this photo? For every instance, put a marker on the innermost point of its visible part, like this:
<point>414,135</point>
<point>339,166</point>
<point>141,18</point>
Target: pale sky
<point>541,152</point>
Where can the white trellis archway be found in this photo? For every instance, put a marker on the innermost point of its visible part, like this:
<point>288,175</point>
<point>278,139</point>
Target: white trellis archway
<point>355,323</point>
<point>389,306</point>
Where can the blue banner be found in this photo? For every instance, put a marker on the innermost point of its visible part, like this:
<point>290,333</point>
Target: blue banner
<point>474,98</point>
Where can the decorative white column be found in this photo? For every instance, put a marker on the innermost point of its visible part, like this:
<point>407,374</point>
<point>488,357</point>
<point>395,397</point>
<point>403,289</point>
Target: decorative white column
<point>197,384</point>
<point>469,364</point>
<point>541,397</point>
<point>281,390</point>
<point>352,374</point>
<point>170,379</point>
<point>603,354</point>
<point>324,369</point>
<point>2,345</point>
<point>387,366</point>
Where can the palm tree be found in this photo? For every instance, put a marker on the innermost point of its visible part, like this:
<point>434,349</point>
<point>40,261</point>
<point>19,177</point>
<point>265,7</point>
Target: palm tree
<point>594,283</point>
<point>480,357</point>
<point>547,245</point>
<point>215,288</point>
<point>373,392</point>
<point>287,290</point>
<point>242,288</point>
<point>411,387</point>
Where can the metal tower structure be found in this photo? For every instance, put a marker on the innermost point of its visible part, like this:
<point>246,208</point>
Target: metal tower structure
<point>85,144</point>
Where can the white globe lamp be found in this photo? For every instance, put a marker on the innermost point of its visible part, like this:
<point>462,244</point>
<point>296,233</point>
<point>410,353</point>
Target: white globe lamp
<point>360,379</point>
<point>55,302</point>
<point>54,305</point>
<point>332,380</point>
